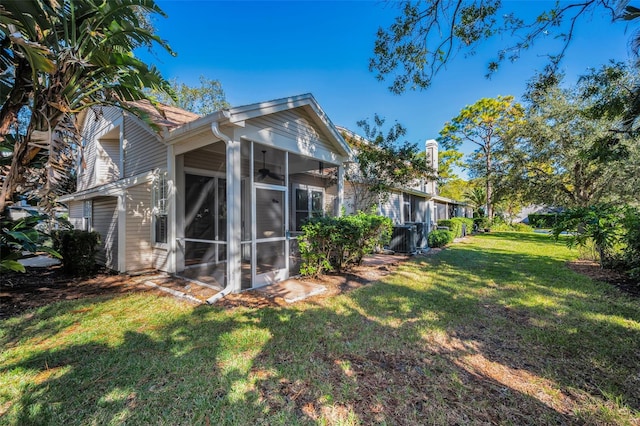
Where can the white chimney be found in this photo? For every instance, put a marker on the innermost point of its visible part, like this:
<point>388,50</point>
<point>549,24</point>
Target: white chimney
<point>432,158</point>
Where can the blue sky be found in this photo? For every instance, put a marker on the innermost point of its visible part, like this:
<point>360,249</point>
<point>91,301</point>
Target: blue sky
<point>267,50</point>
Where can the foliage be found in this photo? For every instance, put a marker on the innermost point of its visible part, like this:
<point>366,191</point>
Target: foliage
<point>204,99</point>
<point>602,224</point>
<point>510,227</point>
<point>486,124</point>
<point>78,249</point>
<point>336,243</point>
<point>455,225</point>
<point>427,35</point>
<point>383,163</point>
<point>440,238</point>
<point>571,150</point>
<point>17,237</point>
<point>454,189</point>
<point>631,239</point>
<point>61,58</point>
<point>543,220</point>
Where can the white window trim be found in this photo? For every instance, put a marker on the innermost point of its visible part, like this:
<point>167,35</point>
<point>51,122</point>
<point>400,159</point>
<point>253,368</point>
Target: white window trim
<point>309,189</point>
<point>155,211</point>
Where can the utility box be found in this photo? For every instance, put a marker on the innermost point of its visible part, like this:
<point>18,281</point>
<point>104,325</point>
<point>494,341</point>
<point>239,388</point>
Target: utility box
<point>403,239</point>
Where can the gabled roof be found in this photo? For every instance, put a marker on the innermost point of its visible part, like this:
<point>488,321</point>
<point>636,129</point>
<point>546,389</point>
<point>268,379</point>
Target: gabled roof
<point>165,116</point>
<point>237,115</point>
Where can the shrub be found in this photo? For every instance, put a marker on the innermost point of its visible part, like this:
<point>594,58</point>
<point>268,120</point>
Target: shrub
<point>17,237</point>
<point>456,225</point>
<point>440,237</point>
<point>335,243</point>
<point>78,250</point>
<point>543,220</point>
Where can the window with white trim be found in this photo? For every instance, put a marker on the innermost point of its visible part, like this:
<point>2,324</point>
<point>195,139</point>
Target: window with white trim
<point>87,215</point>
<point>160,212</point>
<point>308,202</point>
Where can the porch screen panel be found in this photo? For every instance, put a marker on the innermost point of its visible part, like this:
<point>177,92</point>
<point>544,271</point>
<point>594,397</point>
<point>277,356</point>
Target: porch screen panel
<point>270,213</point>
<point>270,256</point>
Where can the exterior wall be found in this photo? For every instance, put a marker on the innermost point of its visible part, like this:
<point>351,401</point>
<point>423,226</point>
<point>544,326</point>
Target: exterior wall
<point>76,210</point>
<point>107,161</point>
<point>392,208</point>
<point>139,248</point>
<point>295,124</point>
<point>142,151</point>
<point>96,125</point>
<point>105,222</point>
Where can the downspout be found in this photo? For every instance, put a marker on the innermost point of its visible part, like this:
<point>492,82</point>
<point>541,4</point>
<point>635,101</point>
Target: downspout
<point>215,129</point>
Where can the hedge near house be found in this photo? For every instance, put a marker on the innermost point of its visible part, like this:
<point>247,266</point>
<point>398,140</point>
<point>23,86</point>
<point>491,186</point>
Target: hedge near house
<point>440,238</point>
<point>78,249</point>
<point>331,244</point>
<point>455,225</point>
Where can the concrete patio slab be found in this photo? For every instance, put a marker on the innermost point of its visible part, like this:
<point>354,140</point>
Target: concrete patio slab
<point>291,290</point>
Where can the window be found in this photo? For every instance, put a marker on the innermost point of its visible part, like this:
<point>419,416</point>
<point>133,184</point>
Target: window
<point>160,216</point>
<point>87,215</point>
<point>308,203</point>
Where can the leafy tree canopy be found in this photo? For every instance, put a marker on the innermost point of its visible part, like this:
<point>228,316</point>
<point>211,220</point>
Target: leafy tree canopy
<point>485,124</point>
<point>428,34</point>
<point>204,99</point>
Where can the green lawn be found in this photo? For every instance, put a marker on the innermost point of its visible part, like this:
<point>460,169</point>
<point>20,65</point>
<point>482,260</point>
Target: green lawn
<point>492,331</point>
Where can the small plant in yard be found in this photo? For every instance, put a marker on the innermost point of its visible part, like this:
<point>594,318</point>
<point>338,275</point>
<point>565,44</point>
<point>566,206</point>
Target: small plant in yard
<point>440,238</point>
<point>78,249</point>
<point>335,243</point>
<point>17,237</point>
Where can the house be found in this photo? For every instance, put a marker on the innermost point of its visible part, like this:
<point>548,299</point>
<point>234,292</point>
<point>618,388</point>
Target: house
<point>215,198</point>
<point>416,203</point>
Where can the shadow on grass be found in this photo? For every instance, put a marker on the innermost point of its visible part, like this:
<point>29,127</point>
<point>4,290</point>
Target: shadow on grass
<point>417,349</point>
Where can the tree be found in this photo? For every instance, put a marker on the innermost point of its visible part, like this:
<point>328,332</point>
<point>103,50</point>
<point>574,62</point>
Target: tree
<point>428,34</point>
<point>571,150</point>
<point>202,100</point>
<point>449,183</point>
<point>476,196</point>
<point>60,58</point>
<point>383,163</point>
<point>485,124</point>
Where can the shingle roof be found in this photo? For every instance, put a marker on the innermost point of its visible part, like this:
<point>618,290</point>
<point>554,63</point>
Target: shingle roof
<point>166,116</point>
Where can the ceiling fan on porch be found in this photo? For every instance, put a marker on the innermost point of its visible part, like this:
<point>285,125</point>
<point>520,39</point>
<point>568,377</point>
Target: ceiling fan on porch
<point>264,172</point>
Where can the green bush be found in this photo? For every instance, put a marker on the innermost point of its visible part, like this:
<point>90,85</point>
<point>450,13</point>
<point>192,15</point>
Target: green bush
<point>455,225</point>
<point>440,237</point>
<point>543,220</point>
<point>335,243</point>
<point>516,227</point>
<point>78,250</point>
<point>17,237</point>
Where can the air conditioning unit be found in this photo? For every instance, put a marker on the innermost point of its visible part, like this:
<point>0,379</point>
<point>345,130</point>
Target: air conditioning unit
<point>403,239</point>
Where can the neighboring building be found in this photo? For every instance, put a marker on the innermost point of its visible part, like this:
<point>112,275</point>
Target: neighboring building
<point>215,198</point>
<point>415,204</point>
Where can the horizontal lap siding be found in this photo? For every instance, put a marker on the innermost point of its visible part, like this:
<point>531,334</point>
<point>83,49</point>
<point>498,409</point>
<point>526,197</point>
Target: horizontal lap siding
<point>205,160</point>
<point>392,208</point>
<point>93,129</point>
<point>108,161</point>
<point>142,152</point>
<point>76,211</point>
<point>295,124</point>
<point>105,222</point>
<point>139,251</point>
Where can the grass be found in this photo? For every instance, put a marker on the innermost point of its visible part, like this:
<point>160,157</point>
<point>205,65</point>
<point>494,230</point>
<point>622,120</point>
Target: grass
<point>492,331</point>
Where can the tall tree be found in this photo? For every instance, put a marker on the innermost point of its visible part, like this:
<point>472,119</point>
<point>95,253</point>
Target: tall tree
<point>426,35</point>
<point>204,99</point>
<point>450,185</point>
<point>486,124</point>
<point>571,149</point>
<point>383,162</point>
<point>60,57</point>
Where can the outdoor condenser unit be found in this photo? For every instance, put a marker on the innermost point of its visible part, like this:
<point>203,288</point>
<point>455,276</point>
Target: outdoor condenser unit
<point>403,239</point>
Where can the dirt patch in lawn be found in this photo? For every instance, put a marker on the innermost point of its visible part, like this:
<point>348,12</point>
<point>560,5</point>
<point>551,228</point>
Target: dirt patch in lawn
<point>615,278</point>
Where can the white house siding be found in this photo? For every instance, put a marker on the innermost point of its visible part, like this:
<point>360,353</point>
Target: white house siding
<point>98,122</point>
<point>76,210</point>
<point>139,251</point>
<point>392,208</point>
<point>205,160</point>
<point>105,222</point>
<point>107,165</point>
<point>295,124</point>
<point>142,151</point>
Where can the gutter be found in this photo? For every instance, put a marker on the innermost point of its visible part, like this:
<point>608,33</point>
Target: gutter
<point>215,129</point>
